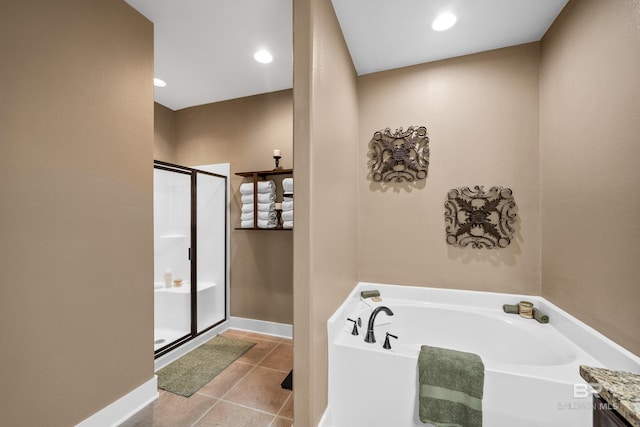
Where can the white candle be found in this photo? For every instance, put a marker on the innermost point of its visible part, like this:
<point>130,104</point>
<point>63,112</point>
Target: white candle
<point>276,152</point>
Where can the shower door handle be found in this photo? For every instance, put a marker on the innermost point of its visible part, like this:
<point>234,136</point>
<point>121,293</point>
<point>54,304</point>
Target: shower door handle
<point>189,254</point>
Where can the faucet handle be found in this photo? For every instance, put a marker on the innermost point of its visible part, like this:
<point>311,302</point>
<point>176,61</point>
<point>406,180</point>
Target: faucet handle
<point>356,323</point>
<point>387,344</point>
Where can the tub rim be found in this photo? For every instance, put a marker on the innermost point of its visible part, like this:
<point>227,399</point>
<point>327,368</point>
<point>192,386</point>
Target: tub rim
<point>602,350</point>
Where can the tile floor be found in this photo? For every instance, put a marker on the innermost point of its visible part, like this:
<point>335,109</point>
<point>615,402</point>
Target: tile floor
<point>245,394</point>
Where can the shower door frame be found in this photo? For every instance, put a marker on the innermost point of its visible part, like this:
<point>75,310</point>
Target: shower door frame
<point>193,253</point>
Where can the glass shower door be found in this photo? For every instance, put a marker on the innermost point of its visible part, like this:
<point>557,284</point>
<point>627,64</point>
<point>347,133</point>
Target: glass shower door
<point>172,266</point>
<point>211,237</point>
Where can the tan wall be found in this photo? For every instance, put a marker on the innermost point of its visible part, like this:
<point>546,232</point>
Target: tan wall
<point>76,125</point>
<point>481,112</point>
<point>244,132</point>
<point>326,156</point>
<point>164,133</point>
<point>590,110</point>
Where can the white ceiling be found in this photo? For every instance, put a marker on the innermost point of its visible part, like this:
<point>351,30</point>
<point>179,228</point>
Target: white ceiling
<point>204,48</point>
<point>386,34</point>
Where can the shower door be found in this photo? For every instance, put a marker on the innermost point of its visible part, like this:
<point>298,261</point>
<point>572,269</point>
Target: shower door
<point>171,244</point>
<point>189,253</point>
<point>211,250</point>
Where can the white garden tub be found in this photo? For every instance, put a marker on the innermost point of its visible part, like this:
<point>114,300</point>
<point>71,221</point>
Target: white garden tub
<point>530,368</point>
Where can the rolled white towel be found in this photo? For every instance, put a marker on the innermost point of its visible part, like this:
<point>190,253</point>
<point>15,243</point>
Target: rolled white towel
<point>287,206</point>
<point>262,207</point>
<point>267,224</point>
<point>287,215</point>
<point>263,187</point>
<point>261,224</point>
<point>261,215</point>
<point>287,224</point>
<point>262,198</point>
<point>287,185</point>
<point>287,199</point>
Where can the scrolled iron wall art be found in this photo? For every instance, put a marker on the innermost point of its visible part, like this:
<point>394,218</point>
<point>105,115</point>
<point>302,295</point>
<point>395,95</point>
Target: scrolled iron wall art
<point>400,156</point>
<point>480,219</point>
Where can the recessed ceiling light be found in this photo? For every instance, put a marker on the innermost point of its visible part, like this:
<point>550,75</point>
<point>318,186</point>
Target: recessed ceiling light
<point>444,21</point>
<point>263,56</point>
<point>159,82</point>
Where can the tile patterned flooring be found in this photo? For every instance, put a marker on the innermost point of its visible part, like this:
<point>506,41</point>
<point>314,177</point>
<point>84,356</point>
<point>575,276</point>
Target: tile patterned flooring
<point>245,394</point>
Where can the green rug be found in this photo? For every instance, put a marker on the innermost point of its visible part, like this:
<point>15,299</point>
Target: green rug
<point>188,374</point>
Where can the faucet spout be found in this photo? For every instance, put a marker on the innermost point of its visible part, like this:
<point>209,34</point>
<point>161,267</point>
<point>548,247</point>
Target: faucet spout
<point>370,337</point>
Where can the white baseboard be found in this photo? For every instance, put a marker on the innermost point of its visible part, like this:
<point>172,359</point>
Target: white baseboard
<point>262,326</point>
<point>125,407</point>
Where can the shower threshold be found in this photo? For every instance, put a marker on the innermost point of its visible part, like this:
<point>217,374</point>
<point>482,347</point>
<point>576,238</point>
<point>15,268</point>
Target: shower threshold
<point>165,336</point>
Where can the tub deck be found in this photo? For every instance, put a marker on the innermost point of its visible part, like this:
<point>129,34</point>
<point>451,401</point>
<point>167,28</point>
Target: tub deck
<point>530,368</point>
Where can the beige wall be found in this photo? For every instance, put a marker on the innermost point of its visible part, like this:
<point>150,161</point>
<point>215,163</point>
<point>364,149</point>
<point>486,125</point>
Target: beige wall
<point>164,133</point>
<point>489,117</point>
<point>326,158</point>
<point>76,125</point>
<point>590,110</point>
<point>244,132</point>
<point>481,112</point>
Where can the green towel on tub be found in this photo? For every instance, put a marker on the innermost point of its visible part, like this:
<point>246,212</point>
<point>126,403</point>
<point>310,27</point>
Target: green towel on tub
<point>451,385</point>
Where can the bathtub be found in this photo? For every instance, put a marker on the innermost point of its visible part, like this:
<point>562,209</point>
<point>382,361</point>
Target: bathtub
<point>531,369</point>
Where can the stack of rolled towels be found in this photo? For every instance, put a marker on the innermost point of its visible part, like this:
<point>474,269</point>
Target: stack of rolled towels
<point>529,312</point>
<point>287,203</point>
<point>266,198</point>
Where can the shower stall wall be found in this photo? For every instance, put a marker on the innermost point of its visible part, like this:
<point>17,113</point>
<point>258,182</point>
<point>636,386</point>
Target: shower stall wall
<point>190,242</point>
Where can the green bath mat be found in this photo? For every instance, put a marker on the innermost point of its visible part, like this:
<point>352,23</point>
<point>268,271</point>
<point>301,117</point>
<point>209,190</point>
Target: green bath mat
<point>188,374</point>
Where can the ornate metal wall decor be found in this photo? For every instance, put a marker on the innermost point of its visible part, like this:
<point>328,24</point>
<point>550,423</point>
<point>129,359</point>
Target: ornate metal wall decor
<point>400,156</point>
<point>478,218</point>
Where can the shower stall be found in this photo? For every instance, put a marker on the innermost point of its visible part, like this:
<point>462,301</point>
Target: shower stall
<point>190,253</point>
